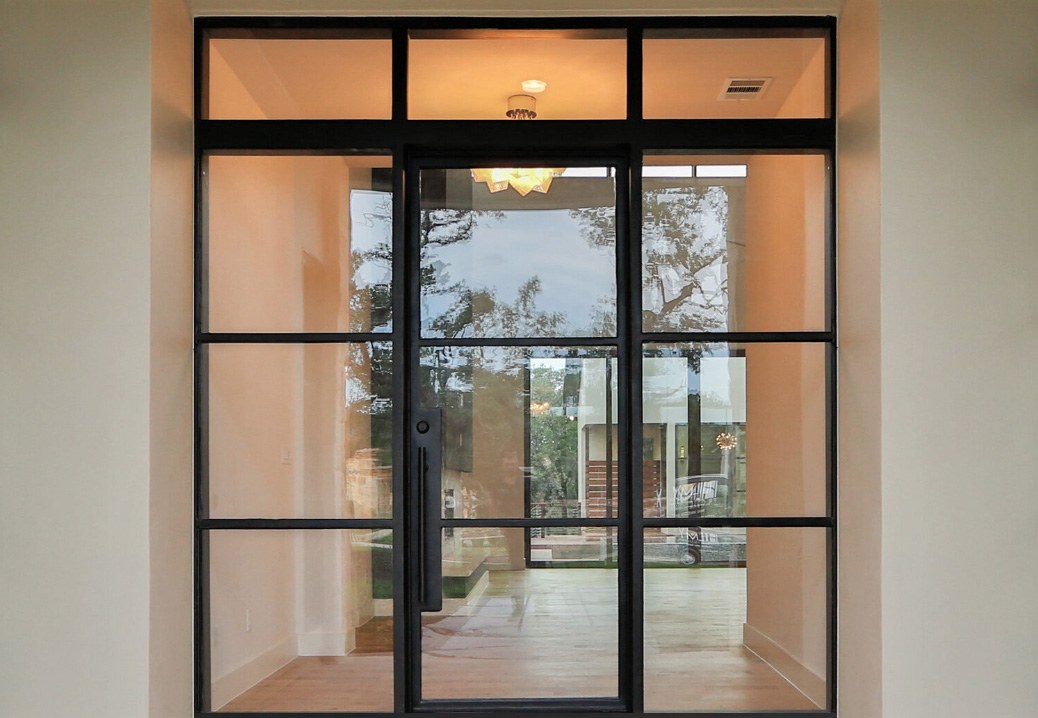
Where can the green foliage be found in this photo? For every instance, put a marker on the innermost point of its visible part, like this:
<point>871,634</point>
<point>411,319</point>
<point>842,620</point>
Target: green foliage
<point>553,441</point>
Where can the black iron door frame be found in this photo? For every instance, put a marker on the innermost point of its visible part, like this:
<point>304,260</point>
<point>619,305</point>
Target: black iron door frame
<point>423,429</point>
<point>461,143</point>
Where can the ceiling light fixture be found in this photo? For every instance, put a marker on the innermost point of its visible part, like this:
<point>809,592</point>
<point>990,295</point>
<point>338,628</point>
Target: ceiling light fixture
<point>523,180</point>
<point>522,107</point>
<point>534,86</point>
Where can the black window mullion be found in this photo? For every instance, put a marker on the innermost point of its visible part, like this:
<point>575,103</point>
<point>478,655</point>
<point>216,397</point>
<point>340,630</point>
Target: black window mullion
<point>294,337</point>
<point>737,337</point>
<point>628,455</point>
<point>366,136</point>
<point>410,290</point>
<point>741,522</point>
<point>531,523</point>
<point>517,342</point>
<point>634,344</point>
<point>401,373</point>
<point>253,524</point>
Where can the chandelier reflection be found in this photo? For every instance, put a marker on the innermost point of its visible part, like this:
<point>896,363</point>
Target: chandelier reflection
<point>523,180</point>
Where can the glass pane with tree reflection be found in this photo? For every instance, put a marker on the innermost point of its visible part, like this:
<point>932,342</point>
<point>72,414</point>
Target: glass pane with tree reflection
<point>500,264</point>
<point>527,431</point>
<point>733,243</point>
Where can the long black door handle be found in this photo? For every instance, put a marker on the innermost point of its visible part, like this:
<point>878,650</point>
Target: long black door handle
<point>428,453</point>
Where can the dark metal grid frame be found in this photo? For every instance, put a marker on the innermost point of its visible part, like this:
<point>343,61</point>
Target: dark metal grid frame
<point>462,159</point>
<point>404,139</point>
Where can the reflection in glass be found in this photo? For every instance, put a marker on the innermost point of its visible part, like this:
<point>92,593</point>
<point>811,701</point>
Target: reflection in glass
<point>503,265</point>
<point>527,431</point>
<point>301,620</point>
<point>699,74</point>
<point>738,626</point>
<point>515,625</point>
<point>300,430</point>
<point>735,429</point>
<point>733,243</point>
<point>299,243</point>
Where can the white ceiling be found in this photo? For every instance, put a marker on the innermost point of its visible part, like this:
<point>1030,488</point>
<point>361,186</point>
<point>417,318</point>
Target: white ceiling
<point>472,78</point>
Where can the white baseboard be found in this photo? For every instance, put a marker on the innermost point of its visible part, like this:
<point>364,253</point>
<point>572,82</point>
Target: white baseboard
<point>322,644</point>
<point>231,685</point>
<point>800,676</point>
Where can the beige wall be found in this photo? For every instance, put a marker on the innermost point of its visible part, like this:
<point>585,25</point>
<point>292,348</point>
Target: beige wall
<point>172,172</point>
<point>785,394</point>
<point>279,434</point>
<point>75,109</point>
<point>959,343</point>
<point>859,678</point>
<point>957,616</point>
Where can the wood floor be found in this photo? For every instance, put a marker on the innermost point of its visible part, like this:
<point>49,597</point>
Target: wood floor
<point>552,633</point>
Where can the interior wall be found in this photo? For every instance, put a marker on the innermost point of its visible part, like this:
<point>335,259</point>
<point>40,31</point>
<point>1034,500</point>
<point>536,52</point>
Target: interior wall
<point>252,608</point>
<point>785,589</point>
<point>498,450</point>
<point>171,644</point>
<point>960,336</point>
<point>809,92</point>
<point>74,357</point>
<point>278,427</point>
<point>255,423</point>
<point>280,435</point>
<point>859,375</point>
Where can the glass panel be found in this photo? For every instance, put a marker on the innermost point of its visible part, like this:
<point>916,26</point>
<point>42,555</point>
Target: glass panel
<point>734,243</point>
<point>299,74</point>
<point>299,243</point>
<point>470,74</point>
<point>495,263</point>
<point>515,628</point>
<point>735,619</point>
<point>715,74</point>
<point>300,430</point>
<point>735,429</point>
<point>301,620</point>
<point>527,432</point>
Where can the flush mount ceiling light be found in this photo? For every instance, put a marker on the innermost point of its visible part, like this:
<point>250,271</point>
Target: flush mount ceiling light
<point>522,179</point>
<point>534,86</point>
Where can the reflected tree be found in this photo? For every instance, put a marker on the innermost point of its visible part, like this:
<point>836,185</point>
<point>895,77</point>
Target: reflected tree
<point>371,261</point>
<point>684,254</point>
<point>553,440</point>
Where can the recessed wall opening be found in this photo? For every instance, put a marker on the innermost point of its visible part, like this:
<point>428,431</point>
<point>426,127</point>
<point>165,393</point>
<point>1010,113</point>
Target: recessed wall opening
<point>515,366</point>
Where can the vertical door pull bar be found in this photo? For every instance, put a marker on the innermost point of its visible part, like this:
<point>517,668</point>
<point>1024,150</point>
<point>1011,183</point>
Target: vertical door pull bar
<point>426,439</point>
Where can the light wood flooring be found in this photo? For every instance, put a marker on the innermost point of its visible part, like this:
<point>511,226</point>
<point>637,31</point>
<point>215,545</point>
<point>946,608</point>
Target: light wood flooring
<point>552,633</point>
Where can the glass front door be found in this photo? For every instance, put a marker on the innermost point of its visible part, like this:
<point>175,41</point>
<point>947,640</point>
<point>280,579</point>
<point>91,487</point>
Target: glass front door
<point>515,406</point>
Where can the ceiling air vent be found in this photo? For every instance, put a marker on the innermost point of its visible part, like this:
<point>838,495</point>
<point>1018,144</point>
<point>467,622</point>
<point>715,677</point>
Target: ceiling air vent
<point>745,88</point>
